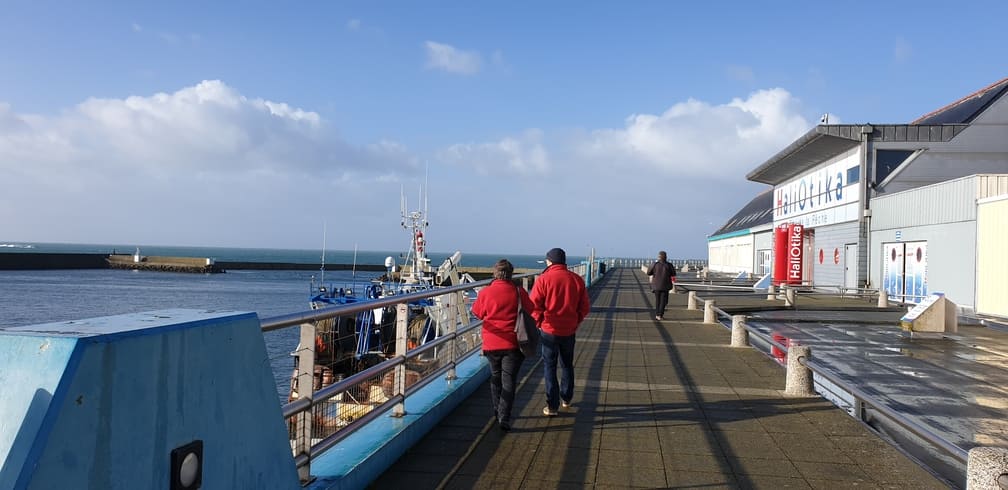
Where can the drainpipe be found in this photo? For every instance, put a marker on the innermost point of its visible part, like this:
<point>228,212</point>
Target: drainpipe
<point>866,179</point>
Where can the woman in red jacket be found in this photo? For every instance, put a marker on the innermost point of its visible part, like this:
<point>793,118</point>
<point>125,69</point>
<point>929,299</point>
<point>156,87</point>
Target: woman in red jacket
<point>497,306</point>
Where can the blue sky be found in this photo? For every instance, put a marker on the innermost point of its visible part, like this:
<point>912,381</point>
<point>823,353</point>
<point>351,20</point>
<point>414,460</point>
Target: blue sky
<point>623,126</point>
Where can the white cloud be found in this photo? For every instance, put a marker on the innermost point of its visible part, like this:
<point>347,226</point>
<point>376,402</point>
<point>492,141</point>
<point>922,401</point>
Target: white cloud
<point>353,24</point>
<point>202,154</point>
<point>666,180</point>
<point>522,155</point>
<point>136,27</point>
<point>206,165</point>
<point>451,59</point>
<point>692,138</point>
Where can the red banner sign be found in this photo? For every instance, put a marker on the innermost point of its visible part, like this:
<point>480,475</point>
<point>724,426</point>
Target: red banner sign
<point>780,254</point>
<point>795,249</point>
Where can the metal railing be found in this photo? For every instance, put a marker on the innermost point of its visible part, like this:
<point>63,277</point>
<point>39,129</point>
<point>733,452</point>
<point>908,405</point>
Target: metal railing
<point>860,397</point>
<point>319,419</point>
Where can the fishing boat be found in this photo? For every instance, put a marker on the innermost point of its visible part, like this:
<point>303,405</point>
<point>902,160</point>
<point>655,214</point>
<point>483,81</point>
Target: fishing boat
<point>346,345</point>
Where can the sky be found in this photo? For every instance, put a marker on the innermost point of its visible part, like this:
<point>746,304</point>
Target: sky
<point>623,127</point>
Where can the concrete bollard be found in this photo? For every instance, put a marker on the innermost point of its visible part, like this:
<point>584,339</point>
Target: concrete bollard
<point>883,299</point>
<point>798,381</point>
<point>771,293</point>
<point>691,301</point>
<point>739,335</point>
<point>789,296</point>
<point>708,311</point>
<point>985,467</point>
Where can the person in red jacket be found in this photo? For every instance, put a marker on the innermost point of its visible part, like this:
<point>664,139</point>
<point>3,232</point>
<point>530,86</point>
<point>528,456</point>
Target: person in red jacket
<point>497,306</point>
<point>560,302</point>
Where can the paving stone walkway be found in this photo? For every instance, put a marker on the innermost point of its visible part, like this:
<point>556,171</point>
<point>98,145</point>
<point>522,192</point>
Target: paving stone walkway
<point>657,405</point>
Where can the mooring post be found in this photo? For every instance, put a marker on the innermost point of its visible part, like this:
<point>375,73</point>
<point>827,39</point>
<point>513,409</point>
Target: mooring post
<point>691,301</point>
<point>739,334</point>
<point>789,296</point>
<point>708,311</point>
<point>798,381</point>
<point>883,299</point>
<point>987,468</point>
<point>771,293</point>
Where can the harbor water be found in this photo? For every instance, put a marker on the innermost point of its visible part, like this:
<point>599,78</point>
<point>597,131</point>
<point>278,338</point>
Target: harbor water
<point>37,297</point>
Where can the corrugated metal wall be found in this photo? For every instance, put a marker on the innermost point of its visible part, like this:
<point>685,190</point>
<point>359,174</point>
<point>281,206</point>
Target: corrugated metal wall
<point>946,202</point>
<point>991,185</point>
<point>829,239</point>
<point>992,268</point>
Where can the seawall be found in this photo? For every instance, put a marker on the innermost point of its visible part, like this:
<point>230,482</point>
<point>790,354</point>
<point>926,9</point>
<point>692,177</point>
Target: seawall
<point>54,261</point>
<point>48,261</point>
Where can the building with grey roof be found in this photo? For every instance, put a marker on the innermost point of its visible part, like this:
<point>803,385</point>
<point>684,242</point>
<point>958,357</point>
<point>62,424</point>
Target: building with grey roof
<point>901,206</point>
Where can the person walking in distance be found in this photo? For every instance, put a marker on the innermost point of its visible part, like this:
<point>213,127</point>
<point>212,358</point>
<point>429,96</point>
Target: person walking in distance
<point>497,306</point>
<point>662,276</point>
<point>560,304</point>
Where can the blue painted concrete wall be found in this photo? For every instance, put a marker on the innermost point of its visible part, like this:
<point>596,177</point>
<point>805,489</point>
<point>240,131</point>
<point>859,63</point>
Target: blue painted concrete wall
<point>111,397</point>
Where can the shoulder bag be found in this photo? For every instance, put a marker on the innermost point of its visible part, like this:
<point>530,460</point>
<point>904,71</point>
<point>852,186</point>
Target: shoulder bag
<point>526,330</point>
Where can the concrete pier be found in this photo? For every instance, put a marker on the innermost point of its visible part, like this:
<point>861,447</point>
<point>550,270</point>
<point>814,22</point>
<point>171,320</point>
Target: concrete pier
<point>656,405</point>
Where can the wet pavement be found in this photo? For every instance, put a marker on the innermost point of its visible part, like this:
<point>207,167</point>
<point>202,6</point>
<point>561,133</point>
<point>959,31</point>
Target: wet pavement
<point>955,386</point>
<point>671,405</point>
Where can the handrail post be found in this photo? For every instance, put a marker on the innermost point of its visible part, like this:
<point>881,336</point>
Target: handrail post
<point>709,316</point>
<point>986,468</point>
<point>399,379</point>
<point>739,334</point>
<point>455,317</point>
<point>305,390</point>
<point>798,380</point>
<point>771,293</point>
<point>691,301</point>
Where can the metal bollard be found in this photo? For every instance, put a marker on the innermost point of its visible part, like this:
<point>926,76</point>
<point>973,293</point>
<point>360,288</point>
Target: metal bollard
<point>986,468</point>
<point>798,381</point>
<point>883,299</point>
<point>789,296</point>
<point>739,335</point>
<point>691,301</point>
<point>771,293</point>
<point>708,311</point>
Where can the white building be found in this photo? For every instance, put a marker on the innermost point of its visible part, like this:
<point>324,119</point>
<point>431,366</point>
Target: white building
<point>744,243</point>
<point>912,208</point>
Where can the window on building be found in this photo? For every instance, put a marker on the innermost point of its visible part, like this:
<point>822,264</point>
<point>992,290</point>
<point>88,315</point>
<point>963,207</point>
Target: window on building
<point>887,160</point>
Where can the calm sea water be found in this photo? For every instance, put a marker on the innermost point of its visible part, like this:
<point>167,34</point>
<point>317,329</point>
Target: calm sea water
<point>36,297</point>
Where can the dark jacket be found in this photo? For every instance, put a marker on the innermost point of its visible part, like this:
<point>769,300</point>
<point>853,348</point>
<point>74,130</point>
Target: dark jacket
<point>497,306</point>
<point>561,301</point>
<point>661,273</point>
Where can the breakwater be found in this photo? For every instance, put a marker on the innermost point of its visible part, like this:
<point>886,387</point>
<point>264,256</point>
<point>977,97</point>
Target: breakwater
<point>59,261</point>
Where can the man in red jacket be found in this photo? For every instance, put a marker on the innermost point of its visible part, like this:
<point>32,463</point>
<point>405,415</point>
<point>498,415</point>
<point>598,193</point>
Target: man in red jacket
<point>560,304</point>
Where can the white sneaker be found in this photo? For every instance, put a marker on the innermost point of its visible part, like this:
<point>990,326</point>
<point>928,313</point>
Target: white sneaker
<point>549,413</point>
<point>564,404</point>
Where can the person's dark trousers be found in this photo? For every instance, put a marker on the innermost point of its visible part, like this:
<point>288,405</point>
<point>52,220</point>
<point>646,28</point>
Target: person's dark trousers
<point>661,301</point>
<point>504,366</point>
<point>558,349</point>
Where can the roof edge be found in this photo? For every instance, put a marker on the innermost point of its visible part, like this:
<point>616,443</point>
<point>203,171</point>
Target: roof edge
<point>809,138</point>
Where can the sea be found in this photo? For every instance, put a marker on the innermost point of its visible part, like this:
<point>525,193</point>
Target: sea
<point>48,296</point>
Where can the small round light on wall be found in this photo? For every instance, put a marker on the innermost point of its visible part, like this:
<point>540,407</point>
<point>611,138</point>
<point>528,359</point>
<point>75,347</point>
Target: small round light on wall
<point>187,466</point>
<point>189,470</point>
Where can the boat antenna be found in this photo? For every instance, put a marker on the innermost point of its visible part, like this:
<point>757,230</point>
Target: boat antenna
<point>426,195</point>
<point>353,275</point>
<point>322,272</point>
